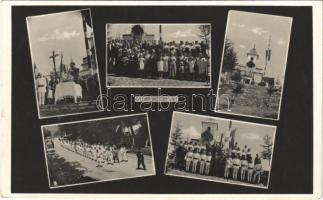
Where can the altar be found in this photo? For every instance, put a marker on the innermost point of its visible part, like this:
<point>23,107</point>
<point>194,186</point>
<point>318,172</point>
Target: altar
<point>68,89</point>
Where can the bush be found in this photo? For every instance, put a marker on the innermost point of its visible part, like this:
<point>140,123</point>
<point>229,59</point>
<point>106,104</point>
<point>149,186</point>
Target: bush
<point>262,83</point>
<point>238,89</point>
<point>236,76</point>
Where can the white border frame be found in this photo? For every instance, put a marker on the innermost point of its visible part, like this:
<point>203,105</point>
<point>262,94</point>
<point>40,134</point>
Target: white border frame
<point>221,119</point>
<point>209,86</point>
<point>5,106</point>
<point>99,181</point>
<point>32,61</point>
<point>286,58</point>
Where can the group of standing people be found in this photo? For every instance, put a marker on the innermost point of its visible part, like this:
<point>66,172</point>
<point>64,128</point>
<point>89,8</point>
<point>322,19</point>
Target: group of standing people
<point>212,160</point>
<point>46,85</point>
<point>181,61</point>
<point>241,161</point>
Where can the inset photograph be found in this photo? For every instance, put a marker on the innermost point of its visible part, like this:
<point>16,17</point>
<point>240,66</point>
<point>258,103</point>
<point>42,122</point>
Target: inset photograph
<point>220,150</point>
<point>98,150</point>
<point>253,64</point>
<point>158,55</point>
<point>64,62</point>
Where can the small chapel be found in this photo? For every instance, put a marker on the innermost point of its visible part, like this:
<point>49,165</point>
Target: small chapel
<point>251,71</point>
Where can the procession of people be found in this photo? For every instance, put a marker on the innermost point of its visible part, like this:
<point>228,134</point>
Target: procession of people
<point>212,160</point>
<point>163,60</point>
<point>103,155</point>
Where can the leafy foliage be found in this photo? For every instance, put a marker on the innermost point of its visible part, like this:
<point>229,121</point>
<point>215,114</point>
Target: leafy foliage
<point>238,89</point>
<point>271,90</point>
<point>230,58</point>
<point>268,145</point>
<point>236,76</point>
<point>63,172</point>
<point>176,135</point>
<point>110,131</point>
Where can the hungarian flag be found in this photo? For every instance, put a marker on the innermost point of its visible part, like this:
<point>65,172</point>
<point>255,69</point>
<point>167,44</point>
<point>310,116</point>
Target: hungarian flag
<point>88,32</point>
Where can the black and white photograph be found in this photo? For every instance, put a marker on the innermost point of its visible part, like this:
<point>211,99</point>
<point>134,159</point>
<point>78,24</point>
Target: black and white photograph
<point>98,150</point>
<point>64,63</point>
<point>220,150</point>
<point>253,64</point>
<point>158,55</point>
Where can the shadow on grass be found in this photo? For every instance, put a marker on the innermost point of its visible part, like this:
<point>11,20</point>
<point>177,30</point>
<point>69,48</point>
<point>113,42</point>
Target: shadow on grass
<point>62,172</point>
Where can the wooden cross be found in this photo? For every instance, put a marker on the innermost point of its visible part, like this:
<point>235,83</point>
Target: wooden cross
<point>53,56</point>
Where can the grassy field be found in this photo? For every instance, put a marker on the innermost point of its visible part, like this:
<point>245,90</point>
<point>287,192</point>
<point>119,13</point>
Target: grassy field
<point>253,100</point>
<point>64,173</point>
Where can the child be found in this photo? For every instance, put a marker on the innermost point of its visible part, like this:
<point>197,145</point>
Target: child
<point>172,66</point>
<point>181,70</point>
<point>165,61</point>
<point>196,159</point>
<point>236,165</point>
<point>228,165</point>
<point>99,159</point>
<point>202,161</point>
<point>244,167</point>
<point>208,163</point>
<point>160,67</point>
<point>250,169</point>
<point>188,158</point>
<point>141,61</point>
<point>191,63</point>
<point>258,170</point>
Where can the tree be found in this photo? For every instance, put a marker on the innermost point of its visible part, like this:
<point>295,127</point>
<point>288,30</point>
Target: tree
<point>47,133</point>
<point>237,89</point>
<point>230,58</point>
<point>268,145</point>
<point>176,135</point>
<point>236,76</point>
<point>205,33</point>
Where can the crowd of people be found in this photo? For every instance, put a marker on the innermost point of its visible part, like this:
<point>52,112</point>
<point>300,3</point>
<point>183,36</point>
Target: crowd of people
<point>181,61</point>
<point>100,153</point>
<point>236,164</point>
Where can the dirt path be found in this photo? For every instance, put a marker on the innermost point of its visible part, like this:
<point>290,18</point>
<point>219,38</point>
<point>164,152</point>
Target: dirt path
<point>107,172</point>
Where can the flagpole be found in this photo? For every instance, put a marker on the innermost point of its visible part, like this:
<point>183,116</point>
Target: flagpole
<point>267,54</point>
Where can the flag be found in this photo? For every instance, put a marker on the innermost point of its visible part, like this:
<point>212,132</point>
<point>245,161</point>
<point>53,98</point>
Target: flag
<point>87,32</point>
<point>268,54</point>
<point>35,70</point>
<point>232,135</point>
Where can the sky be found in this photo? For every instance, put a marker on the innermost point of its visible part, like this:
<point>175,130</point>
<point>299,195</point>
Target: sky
<point>170,32</point>
<point>247,133</point>
<point>247,29</point>
<point>62,32</point>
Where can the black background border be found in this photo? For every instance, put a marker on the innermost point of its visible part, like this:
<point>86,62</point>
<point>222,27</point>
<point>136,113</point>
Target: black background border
<point>292,165</point>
